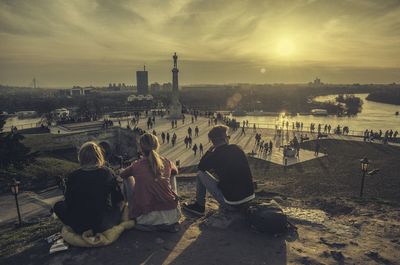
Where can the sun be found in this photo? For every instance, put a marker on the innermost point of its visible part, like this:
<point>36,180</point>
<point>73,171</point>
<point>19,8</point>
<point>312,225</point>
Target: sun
<point>285,48</point>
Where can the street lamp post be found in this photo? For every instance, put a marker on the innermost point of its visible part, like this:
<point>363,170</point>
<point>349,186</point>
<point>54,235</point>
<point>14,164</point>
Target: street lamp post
<point>364,168</point>
<point>15,190</point>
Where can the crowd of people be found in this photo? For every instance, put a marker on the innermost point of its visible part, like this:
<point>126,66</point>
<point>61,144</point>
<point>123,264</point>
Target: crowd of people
<point>95,195</point>
<point>261,146</point>
<point>389,135</point>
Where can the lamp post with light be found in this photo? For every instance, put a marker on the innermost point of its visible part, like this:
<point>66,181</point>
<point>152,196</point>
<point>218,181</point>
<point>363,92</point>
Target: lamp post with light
<point>15,190</point>
<point>364,168</point>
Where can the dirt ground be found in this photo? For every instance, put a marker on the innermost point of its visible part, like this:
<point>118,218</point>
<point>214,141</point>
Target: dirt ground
<point>331,230</point>
<point>335,226</point>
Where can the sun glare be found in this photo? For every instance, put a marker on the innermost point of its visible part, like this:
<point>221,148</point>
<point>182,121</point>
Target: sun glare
<point>285,48</point>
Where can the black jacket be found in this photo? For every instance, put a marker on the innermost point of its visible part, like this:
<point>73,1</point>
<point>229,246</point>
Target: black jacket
<point>90,196</point>
<point>230,164</point>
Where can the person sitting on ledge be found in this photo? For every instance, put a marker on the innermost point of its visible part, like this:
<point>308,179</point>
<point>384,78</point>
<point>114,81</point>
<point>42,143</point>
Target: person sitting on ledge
<point>92,195</point>
<point>232,183</point>
<point>150,187</point>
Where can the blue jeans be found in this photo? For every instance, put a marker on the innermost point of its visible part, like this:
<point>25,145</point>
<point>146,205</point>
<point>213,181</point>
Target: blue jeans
<point>207,182</point>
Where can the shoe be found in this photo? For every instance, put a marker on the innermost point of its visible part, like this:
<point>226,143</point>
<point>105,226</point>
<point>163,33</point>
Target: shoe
<point>195,208</point>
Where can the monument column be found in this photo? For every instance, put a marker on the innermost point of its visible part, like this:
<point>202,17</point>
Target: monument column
<point>175,108</point>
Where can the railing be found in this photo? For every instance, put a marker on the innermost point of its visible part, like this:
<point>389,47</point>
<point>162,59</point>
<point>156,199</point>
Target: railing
<point>22,126</point>
<point>306,129</point>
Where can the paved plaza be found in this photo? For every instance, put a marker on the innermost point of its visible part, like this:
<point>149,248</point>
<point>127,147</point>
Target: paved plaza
<point>187,158</point>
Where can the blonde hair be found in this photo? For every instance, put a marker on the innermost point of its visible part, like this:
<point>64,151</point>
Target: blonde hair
<point>91,154</point>
<point>149,144</point>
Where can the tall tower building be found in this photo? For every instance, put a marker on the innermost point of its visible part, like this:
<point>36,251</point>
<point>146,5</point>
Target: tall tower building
<point>142,81</point>
<point>175,109</point>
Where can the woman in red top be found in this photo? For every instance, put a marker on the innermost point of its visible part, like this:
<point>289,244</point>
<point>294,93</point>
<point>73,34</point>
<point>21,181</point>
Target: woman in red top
<point>151,187</point>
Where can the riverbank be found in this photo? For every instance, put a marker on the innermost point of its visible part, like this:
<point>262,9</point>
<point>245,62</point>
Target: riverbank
<point>388,96</point>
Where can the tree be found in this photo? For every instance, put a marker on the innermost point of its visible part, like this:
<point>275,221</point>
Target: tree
<point>2,123</point>
<point>12,151</point>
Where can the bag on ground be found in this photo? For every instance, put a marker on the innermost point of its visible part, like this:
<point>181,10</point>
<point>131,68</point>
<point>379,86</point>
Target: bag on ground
<point>268,218</point>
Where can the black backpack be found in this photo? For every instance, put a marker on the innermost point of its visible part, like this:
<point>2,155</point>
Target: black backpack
<point>269,218</point>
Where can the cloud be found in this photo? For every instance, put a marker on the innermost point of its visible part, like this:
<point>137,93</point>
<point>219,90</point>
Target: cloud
<point>350,33</point>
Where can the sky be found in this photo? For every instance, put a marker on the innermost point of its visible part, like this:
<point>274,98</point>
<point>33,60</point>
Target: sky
<point>95,42</point>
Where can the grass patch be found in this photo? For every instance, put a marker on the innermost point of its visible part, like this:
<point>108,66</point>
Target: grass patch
<point>45,167</point>
<point>338,174</point>
<point>46,142</point>
<point>41,173</point>
<point>16,240</point>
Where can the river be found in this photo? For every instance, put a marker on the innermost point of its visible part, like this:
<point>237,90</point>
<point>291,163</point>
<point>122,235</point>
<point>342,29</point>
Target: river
<point>374,115</point>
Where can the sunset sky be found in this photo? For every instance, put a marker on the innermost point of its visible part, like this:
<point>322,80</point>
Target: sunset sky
<point>88,42</point>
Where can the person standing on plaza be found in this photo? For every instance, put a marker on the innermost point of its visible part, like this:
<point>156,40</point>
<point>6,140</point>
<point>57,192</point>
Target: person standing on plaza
<point>194,149</point>
<point>243,131</point>
<point>186,141</point>
<point>270,146</point>
<point>317,147</point>
<point>163,137</point>
<point>190,141</point>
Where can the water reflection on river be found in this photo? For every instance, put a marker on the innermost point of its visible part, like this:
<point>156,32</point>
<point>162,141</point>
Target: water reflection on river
<point>375,116</point>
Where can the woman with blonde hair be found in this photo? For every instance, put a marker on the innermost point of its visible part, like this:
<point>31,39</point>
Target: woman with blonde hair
<point>151,188</point>
<point>92,194</point>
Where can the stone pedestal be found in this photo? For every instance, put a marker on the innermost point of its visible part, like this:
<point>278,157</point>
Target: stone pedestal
<point>175,111</point>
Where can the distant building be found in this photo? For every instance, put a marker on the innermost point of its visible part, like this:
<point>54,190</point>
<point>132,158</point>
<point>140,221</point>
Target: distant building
<point>63,92</point>
<point>142,80</point>
<point>155,87</point>
<point>87,90</point>
<point>76,91</point>
<point>316,82</point>
<point>80,91</point>
<point>167,87</point>
<point>61,113</point>
<point>114,87</point>
<point>133,98</point>
<point>119,87</point>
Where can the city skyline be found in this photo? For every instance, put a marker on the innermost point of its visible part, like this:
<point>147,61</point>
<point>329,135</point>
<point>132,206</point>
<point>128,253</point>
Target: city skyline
<point>98,42</point>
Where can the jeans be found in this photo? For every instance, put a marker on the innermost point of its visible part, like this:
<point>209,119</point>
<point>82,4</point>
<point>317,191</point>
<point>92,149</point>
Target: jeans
<point>207,182</point>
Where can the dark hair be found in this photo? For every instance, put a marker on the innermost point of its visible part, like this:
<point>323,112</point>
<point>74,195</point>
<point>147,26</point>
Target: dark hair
<point>218,133</point>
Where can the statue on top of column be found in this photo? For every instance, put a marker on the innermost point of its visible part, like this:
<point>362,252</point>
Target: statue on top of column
<point>175,60</point>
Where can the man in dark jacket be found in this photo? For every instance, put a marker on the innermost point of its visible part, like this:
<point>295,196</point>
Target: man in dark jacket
<point>224,172</point>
